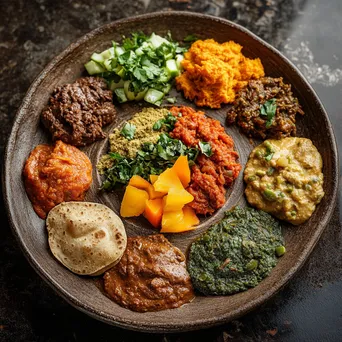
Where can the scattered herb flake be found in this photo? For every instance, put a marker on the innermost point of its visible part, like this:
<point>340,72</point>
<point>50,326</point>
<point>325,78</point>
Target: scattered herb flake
<point>269,156</point>
<point>128,131</point>
<point>190,38</point>
<point>268,109</point>
<point>151,159</point>
<point>168,122</point>
<point>171,100</point>
<point>205,148</point>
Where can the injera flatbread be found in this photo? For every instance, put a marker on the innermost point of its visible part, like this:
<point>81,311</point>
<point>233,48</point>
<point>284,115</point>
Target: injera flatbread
<point>88,238</point>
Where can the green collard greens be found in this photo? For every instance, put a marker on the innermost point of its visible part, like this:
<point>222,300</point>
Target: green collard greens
<point>236,253</point>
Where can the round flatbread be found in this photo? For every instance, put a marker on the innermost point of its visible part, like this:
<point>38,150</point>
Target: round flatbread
<point>87,238</point>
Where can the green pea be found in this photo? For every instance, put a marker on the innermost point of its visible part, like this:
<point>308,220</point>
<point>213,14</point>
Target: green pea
<point>260,173</point>
<point>251,265</point>
<point>270,195</point>
<point>289,188</point>
<point>259,154</point>
<point>293,213</point>
<point>251,178</point>
<point>280,250</point>
<point>269,146</point>
<point>308,187</point>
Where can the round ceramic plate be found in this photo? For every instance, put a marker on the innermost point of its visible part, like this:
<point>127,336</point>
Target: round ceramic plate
<point>84,292</point>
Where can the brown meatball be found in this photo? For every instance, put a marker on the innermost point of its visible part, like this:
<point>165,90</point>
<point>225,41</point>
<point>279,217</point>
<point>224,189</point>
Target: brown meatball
<point>77,112</point>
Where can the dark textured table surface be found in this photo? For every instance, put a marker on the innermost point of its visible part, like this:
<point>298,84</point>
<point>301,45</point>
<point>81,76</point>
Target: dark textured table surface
<point>309,32</point>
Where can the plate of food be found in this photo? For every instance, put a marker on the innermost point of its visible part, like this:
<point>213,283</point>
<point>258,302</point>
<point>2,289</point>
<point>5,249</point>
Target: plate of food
<point>169,172</point>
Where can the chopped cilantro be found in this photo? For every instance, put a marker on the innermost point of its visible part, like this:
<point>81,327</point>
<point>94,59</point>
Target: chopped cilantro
<point>205,148</point>
<point>128,131</point>
<point>190,38</point>
<point>151,159</point>
<point>268,109</point>
<point>168,122</point>
<point>269,156</point>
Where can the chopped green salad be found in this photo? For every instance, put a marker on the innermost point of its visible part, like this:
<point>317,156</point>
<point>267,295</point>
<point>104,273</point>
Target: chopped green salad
<point>142,67</point>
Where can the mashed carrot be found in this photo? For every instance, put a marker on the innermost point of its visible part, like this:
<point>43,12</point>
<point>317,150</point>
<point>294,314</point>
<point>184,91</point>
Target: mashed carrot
<point>214,72</point>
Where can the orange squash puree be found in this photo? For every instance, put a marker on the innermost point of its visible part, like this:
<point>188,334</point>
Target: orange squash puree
<point>210,175</point>
<point>55,174</point>
<point>214,72</point>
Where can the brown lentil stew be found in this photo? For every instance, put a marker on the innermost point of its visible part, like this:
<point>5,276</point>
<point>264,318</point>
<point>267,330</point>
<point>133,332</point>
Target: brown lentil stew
<point>210,175</point>
<point>247,110</point>
<point>150,276</point>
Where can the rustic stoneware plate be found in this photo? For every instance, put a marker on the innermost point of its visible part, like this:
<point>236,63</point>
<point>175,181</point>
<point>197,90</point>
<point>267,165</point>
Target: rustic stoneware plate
<point>84,292</point>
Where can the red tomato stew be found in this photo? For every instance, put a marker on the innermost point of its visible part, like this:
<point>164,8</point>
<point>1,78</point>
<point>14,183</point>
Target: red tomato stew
<point>214,172</point>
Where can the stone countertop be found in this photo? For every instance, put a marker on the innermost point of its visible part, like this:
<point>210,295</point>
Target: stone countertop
<point>32,32</point>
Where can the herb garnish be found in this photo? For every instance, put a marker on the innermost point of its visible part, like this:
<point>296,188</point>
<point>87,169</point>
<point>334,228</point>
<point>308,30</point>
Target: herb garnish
<point>205,148</point>
<point>171,100</point>
<point>268,109</point>
<point>151,159</point>
<point>128,131</point>
<point>168,122</point>
<point>190,38</point>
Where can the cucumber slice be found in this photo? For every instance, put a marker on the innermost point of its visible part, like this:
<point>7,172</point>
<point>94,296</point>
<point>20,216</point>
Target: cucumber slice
<point>119,51</point>
<point>120,94</point>
<point>106,54</point>
<point>108,64</point>
<point>179,59</point>
<point>171,67</point>
<point>141,95</point>
<point>121,72</point>
<point>114,85</point>
<point>97,57</point>
<point>139,51</point>
<point>94,68</point>
<point>156,40</point>
<point>153,96</point>
<point>129,94</point>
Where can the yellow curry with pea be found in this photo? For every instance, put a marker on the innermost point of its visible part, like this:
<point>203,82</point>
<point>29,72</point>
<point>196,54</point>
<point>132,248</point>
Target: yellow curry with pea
<point>284,178</point>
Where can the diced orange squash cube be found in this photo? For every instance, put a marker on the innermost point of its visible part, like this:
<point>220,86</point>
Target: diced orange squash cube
<point>170,220</point>
<point>188,221</point>
<point>154,211</point>
<point>153,178</point>
<point>133,202</point>
<point>167,180</point>
<point>153,193</point>
<point>176,199</point>
<point>139,182</point>
<point>181,166</point>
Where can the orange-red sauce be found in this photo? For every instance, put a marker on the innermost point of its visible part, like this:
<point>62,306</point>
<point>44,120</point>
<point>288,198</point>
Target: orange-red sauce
<point>55,174</point>
<point>210,175</point>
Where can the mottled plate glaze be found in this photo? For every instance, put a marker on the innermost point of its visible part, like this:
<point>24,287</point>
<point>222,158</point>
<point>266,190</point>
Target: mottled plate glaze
<point>83,292</point>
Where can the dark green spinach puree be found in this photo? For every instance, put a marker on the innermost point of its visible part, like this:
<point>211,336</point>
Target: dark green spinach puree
<point>236,253</point>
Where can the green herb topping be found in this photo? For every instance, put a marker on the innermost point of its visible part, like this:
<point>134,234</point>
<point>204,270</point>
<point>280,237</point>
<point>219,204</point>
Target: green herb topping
<point>205,148</point>
<point>168,122</point>
<point>268,109</point>
<point>151,159</point>
<point>190,38</point>
<point>141,67</point>
<point>128,131</point>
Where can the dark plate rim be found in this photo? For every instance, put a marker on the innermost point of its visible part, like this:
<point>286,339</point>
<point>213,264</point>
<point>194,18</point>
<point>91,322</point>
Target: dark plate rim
<point>150,326</point>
